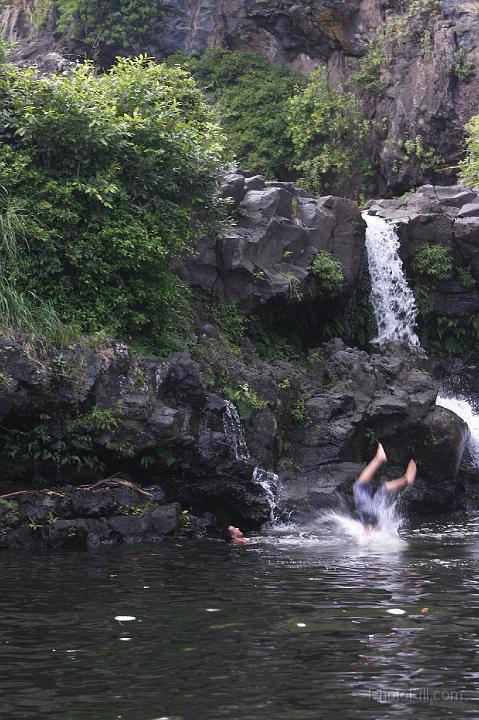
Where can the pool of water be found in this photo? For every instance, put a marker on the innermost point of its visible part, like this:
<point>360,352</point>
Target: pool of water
<point>297,626</point>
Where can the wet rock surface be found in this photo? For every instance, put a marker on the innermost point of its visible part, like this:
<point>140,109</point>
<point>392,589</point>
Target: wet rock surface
<point>371,398</point>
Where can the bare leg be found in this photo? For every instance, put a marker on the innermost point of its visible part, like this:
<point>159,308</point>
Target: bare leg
<point>372,467</point>
<point>393,486</point>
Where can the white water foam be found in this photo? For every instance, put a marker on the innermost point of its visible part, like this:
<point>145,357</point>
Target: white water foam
<point>463,408</point>
<point>329,528</point>
<point>391,297</point>
<point>269,482</point>
<point>385,535</point>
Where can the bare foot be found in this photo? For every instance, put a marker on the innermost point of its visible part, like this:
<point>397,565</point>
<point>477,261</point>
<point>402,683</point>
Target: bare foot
<point>410,474</point>
<point>380,454</point>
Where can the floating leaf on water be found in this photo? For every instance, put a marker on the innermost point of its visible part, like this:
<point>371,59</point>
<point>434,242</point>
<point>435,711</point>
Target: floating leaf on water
<point>424,611</point>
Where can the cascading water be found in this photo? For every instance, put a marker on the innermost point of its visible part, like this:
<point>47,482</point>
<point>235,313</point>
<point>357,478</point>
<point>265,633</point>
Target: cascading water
<point>234,432</point>
<point>395,309</point>
<point>391,297</point>
<point>463,408</point>
<point>269,482</point>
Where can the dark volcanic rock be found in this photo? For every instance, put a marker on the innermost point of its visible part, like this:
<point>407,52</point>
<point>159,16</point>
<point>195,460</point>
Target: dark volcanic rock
<point>163,413</point>
<point>426,217</point>
<point>370,397</point>
<point>82,517</point>
<point>267,255</point>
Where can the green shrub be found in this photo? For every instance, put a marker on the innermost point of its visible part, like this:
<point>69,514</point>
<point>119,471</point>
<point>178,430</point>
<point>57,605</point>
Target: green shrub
<point>125,24</point>
<point>299,413</point>
<point>228,319</point>
<point>470,165</point>
<point>329,272</point>
<point>423,155</point>
<point>433,261</point>
<point>114,175</point>
<point>246,400</point>
<point>447,336</point>
<point>465,277</point>
<point>329,134</point>
<point>251,96</point>
<point>370,67</point>
<point>462,68</point>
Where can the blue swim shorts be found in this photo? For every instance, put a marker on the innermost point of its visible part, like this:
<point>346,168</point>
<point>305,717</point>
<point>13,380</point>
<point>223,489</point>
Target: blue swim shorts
<point>367,501</point>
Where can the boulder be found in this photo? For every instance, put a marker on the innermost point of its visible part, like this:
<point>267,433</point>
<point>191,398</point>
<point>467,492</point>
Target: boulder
<point>267,255</point>
<point>369,397</point>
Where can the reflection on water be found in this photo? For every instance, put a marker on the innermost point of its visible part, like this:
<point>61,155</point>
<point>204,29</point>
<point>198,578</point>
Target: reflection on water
<point>296,626</point>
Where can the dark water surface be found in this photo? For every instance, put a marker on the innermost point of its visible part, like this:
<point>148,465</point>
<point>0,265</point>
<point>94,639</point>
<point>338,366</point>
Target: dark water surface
<point>294,627</point>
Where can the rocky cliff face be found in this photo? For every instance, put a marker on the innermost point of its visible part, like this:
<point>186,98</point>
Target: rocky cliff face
<point>429,80</point>
<point>75,416</point>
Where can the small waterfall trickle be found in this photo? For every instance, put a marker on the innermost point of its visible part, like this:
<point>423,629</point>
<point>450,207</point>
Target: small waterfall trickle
<point>269,482</point>
<point>234,432</point>
<point>391,297</point>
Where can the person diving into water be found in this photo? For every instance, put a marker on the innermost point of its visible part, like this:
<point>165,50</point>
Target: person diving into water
<point>366,500</point>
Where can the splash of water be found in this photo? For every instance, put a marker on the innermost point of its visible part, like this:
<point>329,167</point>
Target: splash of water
<point>234,432</point>
<point>386,534</point>
<point>463,408</point>
<point>391,297</point>
<point>269,482</point>
<point>328,528</point>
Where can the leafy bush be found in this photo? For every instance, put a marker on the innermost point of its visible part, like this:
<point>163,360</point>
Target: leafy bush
<point>125,24</point>
<point>462,68</point>
<point>450,336</point>
<point>434,261</point>
<point>329,272</point>
<point>229,320</point>
<point>299,412</point>
<point>470,165</point>
<point>114,175</point>
<point>423,155</point>
<point>329,134</point>
<point>370,67</point>
<point>251,96</point>
<point>465,277</point>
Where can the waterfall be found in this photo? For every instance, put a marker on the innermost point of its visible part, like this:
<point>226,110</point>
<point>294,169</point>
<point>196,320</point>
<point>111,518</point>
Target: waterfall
<point>234,433</point>
<point>269,482</point>
<point>463,408</point>
<point>395,310</point>
<point>391,297</point>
